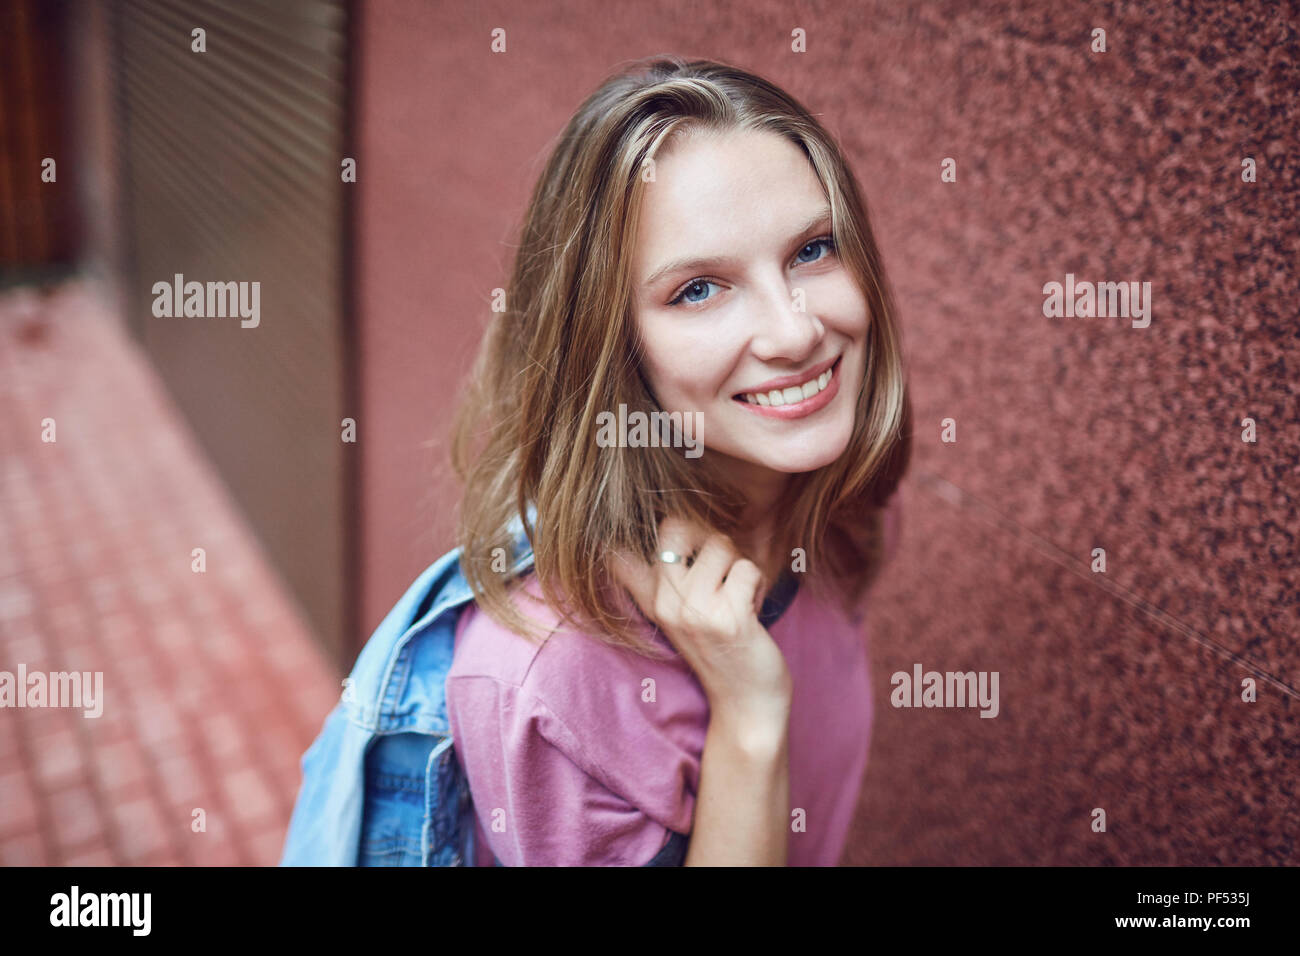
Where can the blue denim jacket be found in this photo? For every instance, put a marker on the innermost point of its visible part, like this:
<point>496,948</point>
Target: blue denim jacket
<point>381,785</point>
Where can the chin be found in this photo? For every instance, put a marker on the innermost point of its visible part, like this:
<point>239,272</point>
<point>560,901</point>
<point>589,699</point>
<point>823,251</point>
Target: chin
<point>797,459</point>
<point>797,465</point>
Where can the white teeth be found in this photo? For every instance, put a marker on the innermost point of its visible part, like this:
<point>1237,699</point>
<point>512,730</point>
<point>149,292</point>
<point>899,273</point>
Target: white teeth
<point>793,394</point>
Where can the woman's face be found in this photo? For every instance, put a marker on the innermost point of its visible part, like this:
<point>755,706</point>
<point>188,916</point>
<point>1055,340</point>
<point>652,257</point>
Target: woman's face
<point>733,229</point>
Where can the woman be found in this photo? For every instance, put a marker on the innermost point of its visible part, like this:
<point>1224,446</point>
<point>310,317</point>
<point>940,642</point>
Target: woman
<point>696,245</point>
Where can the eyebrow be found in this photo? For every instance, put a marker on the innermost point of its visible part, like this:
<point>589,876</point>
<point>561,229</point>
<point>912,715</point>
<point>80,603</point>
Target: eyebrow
<point>707,262</point>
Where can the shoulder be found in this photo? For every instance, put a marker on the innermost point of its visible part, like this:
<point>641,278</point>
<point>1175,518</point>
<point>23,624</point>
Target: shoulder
<point>569,669</point>
<point>634,724</point>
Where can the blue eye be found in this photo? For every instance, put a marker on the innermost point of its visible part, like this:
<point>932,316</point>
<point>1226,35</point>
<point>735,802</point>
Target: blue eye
<point>826,241</point>
<point>696,283</point>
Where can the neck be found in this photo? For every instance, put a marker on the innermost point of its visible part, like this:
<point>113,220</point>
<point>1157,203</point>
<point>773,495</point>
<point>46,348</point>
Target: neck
<point>765,492</point>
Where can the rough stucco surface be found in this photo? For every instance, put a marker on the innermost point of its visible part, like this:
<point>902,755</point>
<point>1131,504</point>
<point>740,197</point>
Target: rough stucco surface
<point>1119,691</point>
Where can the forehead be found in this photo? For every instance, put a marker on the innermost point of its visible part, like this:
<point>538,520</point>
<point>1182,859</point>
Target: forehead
<point>723,192</point>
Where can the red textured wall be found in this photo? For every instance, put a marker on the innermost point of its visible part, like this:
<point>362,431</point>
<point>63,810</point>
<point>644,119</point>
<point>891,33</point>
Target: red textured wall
<point>1119,691</point>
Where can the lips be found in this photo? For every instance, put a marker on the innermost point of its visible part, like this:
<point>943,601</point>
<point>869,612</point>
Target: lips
<point>826,387</point>
<point>789,381</point>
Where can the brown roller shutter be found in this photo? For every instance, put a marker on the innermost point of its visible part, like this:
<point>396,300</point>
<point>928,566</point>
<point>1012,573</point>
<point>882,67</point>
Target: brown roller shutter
<point>229,165</point>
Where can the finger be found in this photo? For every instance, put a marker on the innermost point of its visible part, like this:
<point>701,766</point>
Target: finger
<point>711,566</point>
<point>679,537</point>
<point>742,587</point>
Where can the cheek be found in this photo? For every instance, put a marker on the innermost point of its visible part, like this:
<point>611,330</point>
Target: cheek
<point>850,314</point>
<point>687,383</point>
<point>692,363</point>
<point>839,300</point>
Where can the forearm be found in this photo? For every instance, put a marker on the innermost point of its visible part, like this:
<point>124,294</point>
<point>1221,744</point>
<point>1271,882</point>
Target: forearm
<point>742,809</point>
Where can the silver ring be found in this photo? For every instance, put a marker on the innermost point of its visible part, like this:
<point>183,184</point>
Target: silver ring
<point>669,557</point>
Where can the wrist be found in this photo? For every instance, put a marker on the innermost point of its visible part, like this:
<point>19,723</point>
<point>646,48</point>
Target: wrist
<point>758,728</point>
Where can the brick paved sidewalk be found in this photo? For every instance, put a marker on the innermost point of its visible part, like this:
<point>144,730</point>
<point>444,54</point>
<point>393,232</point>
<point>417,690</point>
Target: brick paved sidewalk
<point>212,686</point>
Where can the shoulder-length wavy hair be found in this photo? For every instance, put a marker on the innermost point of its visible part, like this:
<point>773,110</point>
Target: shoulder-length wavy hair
<point>566,348</point>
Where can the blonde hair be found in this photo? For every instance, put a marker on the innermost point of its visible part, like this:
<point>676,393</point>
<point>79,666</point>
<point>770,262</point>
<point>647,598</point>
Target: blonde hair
<point>567,348</point>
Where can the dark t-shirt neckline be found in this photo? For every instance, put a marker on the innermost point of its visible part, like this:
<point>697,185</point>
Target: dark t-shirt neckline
<point>780,598</point>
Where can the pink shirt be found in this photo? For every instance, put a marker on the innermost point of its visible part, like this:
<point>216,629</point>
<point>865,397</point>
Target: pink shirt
<point>564,749</point>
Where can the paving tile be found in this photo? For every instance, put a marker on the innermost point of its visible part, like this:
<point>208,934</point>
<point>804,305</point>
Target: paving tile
<point>95,576</point>
<point>96,856</point>
<point>266,847</point>
<point>24,850</point>
<point>76,817</point>
<point>121,764</point>
<point>248,795</point>
<point>18,812</point>
<point>143,828</point>
<point>58,758</point>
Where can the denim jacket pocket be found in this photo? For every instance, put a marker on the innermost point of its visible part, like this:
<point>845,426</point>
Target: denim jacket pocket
<point>393,807</point>
<point>415,804</point>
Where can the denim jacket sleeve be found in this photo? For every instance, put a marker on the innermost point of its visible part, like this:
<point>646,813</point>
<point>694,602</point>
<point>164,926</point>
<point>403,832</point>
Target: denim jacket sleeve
<point>381,777</point>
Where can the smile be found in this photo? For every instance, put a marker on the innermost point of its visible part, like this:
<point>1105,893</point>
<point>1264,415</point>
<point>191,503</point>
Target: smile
<point>797,400</point>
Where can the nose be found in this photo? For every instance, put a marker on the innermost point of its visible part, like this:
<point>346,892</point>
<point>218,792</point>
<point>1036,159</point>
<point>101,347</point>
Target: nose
<point>784,326</point>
